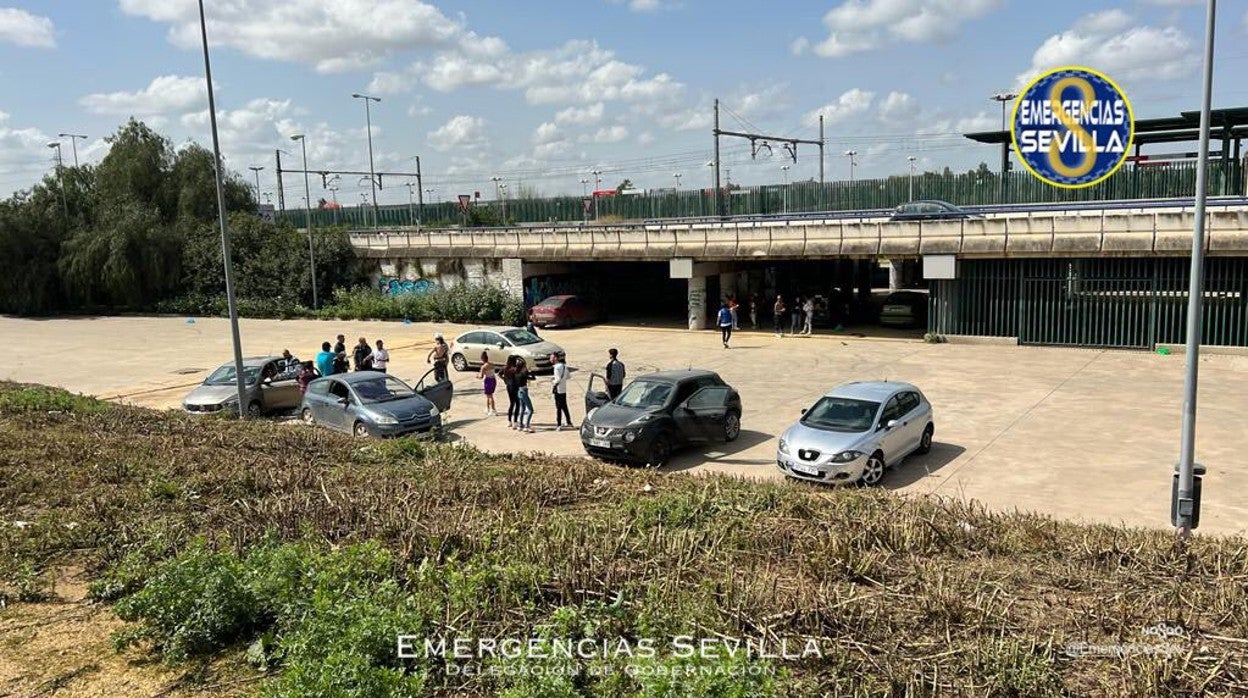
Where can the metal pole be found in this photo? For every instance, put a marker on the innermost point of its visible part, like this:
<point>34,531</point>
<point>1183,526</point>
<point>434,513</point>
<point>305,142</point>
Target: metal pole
<point>411,213</point>
<point>1195,297</point>
<point>719,209</point>
<point>420,192</point>
<point>60,181</point>
<point>281,190</point>
<point>225,233</point>
<point>307,202</point>
<point>256,169</point>
<point>372,175</point>
<point>820,148</point>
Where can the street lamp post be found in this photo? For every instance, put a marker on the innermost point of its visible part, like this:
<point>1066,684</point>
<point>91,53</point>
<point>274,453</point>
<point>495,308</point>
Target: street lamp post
<point>1185,504</point>
<point>597,186</point>
<point>912,160</point>
<point>851,154</point>
<point>1004,98</point>
<point>785,170</point>
<point>73,143</point>
<point>60,179</point>
<point>411,213</point>
<point>226,260</point>
<point>256,169</point>
<point>307,208</point>
<point>503,189</point>
<point>372,172</point>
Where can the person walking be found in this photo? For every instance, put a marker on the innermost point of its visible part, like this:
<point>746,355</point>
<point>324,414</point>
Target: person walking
<point>513,398</point>
<point>381,357</point>
<point>438,356</point>
<point>808,310</point>
<point>754,311</point>
<point>725,323</point>
<point>522,394</point>
<point>325,360</point>
<point>778,315</point>
<point>488,383</point>
<point>559,378</point>
<point>306,376</point>
<point>363,356</point>
<point>615,374</point>
<point>732,308</point>
<point>796,325</point>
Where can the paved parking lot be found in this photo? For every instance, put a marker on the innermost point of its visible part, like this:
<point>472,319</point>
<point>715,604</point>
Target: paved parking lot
<point>1080,434</point>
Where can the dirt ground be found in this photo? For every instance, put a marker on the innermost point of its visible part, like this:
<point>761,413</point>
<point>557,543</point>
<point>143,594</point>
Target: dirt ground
<point>1081,434</point>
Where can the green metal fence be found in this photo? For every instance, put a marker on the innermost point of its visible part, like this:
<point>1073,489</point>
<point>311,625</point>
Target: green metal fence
<point>1174,180</point>
<point>1105,302</point>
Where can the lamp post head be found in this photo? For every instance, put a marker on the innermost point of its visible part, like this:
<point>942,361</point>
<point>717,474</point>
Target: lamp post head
<point>53,144</point>
<point>1004,96</point>
<point>297,137</point>
<point>911,158</point>
<point>357,95</point>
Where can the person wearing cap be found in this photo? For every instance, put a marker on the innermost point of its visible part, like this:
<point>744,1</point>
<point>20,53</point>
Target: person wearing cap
<point>439,356</point>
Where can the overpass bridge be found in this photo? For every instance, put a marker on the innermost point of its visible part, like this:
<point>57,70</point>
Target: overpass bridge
<point>1035,273</point>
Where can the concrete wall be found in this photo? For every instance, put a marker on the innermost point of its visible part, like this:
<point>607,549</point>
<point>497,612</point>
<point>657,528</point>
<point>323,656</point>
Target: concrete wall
<point>399,274</point>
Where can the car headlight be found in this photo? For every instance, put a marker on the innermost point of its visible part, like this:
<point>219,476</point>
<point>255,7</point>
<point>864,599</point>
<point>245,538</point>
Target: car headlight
<point>590,415</point>
<point>847,456</point>
<point>434,411</point>
<point>784,447</point>
<point>630,436</point>
<point>384,419</point>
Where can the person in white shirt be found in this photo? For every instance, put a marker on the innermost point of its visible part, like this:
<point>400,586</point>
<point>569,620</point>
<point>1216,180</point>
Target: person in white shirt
<point>560,390</point>
<point>381,357</point>
<point>809,311</point>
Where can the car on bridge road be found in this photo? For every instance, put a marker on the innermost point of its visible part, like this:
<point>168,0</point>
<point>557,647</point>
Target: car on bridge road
<point>856,431</point>
<point>930,210</point>
<point>658,413</point>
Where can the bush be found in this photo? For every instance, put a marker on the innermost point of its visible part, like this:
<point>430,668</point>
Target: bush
<point>466,304</point>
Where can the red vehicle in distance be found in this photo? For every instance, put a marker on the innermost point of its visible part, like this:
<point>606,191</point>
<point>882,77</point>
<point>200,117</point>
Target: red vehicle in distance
<point>564,311</point>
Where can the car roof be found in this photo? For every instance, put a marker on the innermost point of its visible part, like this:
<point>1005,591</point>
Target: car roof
<point>875,391</point>
<point>497,328</point>
<point>677,376</point>
<point>254,361</point>
<point>358,376</point>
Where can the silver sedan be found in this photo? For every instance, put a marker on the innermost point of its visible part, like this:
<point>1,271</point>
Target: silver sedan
<point>856,431</point>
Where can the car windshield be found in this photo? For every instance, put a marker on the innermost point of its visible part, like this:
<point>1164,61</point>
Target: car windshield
<point>381,389</point>
<point>521,337</point>
<point>226,375</point>
<point>644,394</point>
<point>841,414</point>
<point>551,302</point>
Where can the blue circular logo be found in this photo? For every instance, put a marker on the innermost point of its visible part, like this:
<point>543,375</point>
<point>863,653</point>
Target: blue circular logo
<point>1072,127</point>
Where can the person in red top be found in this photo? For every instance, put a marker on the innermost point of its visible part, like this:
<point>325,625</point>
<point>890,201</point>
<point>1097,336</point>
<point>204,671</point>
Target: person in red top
<point>732,309</point>
<point>306,375</point>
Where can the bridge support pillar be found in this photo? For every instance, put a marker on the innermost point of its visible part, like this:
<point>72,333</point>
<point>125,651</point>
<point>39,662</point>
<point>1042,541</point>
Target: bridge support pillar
<point>896,274</point>
<point>697,302</point>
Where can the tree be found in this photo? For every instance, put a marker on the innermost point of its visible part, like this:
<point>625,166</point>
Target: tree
<point>625,185</point>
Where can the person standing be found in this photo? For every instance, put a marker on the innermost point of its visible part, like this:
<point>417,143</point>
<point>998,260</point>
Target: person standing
<point>615,374</point>
<point>363,356</point>
<point>754,311</point>
<point>341,363</point>
<point>381,357</point>
<point>289,364</point>
<point>732,308</point>
<point>325,360</point>
<point>809,311</point>
<point>438,356</point>
<point>522,394</point>
<point>513,398</point>
<point>560,390</point>
<point>340,347</point>
<point>306,376</point>
<point>796,317</point>
<point>778,315</point>
<point>725,323</point>
<point>489,382</point>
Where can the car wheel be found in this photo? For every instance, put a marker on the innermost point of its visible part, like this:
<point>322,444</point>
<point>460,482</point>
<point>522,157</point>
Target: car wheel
<point>361,430</point>
<point>306,416</point>
<point>254,409</point>
<point>925,441</point>
<point>459,362</point>
<point>660,452</point>
<point>873,471</point>
<point>732,426</point>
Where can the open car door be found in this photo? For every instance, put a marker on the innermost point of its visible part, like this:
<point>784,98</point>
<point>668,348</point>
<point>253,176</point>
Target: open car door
<point>596,393</point>
<point>704,414</point>
<point>435,391</point>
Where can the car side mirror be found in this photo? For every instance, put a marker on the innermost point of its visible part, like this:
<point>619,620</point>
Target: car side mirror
<point>344,401</point>
<point>803,410</point>
<point>502,346</point>
<point>891,423</point>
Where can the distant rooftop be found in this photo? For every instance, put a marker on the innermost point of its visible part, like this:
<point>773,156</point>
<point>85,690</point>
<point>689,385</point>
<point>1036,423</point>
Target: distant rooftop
<point>1226,124</point>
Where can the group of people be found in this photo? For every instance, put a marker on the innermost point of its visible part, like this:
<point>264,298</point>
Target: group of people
<point>518,380</point>
<point>801,317</point>
<point>334,359</point>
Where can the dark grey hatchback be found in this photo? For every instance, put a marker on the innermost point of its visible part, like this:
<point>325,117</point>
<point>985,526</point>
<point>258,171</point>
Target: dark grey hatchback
<point>658,413</point>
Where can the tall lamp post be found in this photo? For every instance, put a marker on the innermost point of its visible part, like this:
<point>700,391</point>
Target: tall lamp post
<point>225,235</point>
<point>1185,498</point>
<point>372,172</point>
<point>597,186</point>
<point>60,179</point>
<point>307,208</point>
<point>256,169</point>
<point>73,143</point>
<point>411,214</point>
<point>785,170</point>
<point>503,189</point>
<point>912,160</point>
<point>1004,98</point>
<point>851,154</point>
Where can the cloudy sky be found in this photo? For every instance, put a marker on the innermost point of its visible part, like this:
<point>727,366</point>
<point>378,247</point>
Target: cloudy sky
<point>541,93</point>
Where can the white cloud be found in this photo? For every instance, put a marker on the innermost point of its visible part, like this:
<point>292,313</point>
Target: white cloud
<point>855,26</point>
<point>851,103</point>
<point>898,107</point>
<point>610,134</point>
<point>389,83</point>
<point>745,101</point>
<point>253,127</point>
<point>647,5</point>
<point>581,116</point>
<point>24,29</point>
<point>165,94</point>
<point>461,132</point>
<point>1107,41</point>
<point>645,138</point>
<point>547,133</point>
<point>332,35</point>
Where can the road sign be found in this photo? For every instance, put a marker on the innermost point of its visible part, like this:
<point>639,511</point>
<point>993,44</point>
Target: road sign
<point>587,203</point>
<point>464,200</point>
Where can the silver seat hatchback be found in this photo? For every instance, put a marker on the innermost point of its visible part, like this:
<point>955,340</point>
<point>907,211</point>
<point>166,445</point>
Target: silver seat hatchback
<point>856,431</point>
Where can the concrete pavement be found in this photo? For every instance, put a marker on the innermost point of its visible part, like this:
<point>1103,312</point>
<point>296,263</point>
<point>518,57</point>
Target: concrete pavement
<point>1080,434</point>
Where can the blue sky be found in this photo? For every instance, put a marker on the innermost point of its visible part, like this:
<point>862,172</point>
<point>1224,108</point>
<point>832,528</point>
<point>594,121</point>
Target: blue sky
<point>541,93</point>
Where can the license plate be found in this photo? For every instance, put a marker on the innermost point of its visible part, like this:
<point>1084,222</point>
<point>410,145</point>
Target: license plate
<point>600,443</point>
<point>805,470</point>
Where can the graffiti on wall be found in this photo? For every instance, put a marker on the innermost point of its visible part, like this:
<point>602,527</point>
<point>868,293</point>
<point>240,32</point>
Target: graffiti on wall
<point>393,287</point>
<point>539,288</point>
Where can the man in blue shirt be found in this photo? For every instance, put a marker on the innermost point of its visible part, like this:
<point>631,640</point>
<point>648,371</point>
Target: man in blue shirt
<point>325,360</point>
<point>725,323</point>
